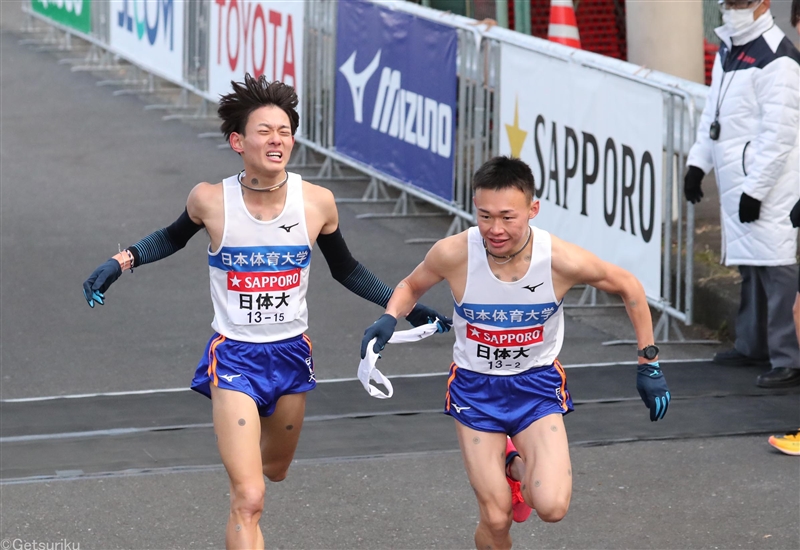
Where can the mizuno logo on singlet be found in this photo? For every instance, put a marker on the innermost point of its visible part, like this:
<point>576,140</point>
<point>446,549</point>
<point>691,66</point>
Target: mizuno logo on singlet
<point>289,228</point>
<point>229,377</point>
<point>533,288</point>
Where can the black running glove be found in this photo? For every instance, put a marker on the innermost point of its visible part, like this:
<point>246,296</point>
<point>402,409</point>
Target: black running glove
<point>422,315</point>
<point>795,215</point>
<point>382,330</point>
<point>653,389</point>
<point>692,184</point>
<point>98,282</point>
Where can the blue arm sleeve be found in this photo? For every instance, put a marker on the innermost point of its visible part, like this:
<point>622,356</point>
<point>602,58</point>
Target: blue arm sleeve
<point>164,242</point>
<point>361,281</point>
<point>349,272</point>
<point>366,284</point>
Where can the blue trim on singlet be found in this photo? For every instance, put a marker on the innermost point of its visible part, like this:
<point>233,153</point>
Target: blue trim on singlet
<point>507,315</point>
<point>260,258</point>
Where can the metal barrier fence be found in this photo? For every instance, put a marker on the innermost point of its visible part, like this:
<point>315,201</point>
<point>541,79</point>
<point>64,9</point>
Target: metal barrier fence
<point>477,133</point>
<point>681,113</point>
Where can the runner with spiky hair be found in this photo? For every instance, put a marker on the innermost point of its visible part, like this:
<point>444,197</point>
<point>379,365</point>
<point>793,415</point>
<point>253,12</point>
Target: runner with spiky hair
<point>262,224</point>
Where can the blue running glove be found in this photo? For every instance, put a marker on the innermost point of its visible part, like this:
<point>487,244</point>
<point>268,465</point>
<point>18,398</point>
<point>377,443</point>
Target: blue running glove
<point>422,315</point>
<point>653,388</point>
<point>98,282</point>
<point>382,329</point>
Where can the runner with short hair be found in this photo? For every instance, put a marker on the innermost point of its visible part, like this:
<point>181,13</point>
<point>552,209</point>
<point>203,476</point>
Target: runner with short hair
<point>262,224</point>
<point>508,280</point>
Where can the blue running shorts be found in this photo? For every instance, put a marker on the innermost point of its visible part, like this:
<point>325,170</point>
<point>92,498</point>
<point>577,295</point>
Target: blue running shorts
<point>506,404</point>
<point>265,371</point>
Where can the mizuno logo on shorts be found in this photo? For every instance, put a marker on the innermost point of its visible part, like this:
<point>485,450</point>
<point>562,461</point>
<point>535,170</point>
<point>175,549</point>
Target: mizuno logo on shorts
<point>459,409</point>
<point>229,377</point>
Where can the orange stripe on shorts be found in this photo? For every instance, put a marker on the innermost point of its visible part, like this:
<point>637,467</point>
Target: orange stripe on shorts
<point>564,392</point>
<point>210,349</point>
<point>308,341</point>
<point>212,358</point>
<point>453,369</point>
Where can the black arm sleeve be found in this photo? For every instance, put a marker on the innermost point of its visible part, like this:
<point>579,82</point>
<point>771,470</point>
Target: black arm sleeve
<point>352,275</point>
<point>164,242</point>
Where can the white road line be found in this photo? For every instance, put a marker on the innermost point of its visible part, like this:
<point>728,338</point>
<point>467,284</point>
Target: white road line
<point>126,431</point>
<point>395,376</point>
<point>325,381</point>
<point>613,363</point>
<point>100,394</point>
<point>98,433</point>
<point>106,475</point>
<point>80,476</point>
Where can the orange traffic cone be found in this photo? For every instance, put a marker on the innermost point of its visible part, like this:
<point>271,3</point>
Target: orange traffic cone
<point>563,25</point>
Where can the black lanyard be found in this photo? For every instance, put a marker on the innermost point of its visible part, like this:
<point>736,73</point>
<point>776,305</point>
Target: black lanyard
<point>714,130</point>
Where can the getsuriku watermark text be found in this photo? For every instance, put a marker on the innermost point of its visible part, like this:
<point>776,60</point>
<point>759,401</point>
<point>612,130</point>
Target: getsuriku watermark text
<point>23,544</point>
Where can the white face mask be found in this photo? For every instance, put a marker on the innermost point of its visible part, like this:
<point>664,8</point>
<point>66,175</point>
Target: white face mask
<point>738,20</point>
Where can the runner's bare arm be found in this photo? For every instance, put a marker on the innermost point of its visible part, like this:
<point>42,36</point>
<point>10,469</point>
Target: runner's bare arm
<point>573,265</point>
<point>154,247</point>
<point>322,216</point>
<point>199,204</point>
<point>433,269</point>
<point>441,262</point>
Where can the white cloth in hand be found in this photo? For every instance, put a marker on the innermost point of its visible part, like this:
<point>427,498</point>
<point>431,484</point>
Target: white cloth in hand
<point>367,370</point>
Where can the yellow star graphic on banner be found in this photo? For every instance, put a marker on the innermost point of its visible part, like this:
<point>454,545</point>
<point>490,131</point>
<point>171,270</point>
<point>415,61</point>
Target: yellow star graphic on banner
<point>516,135</point>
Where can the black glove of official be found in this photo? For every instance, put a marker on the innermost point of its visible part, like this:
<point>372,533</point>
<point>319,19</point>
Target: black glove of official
<point>653,389</point>
<point>795,215</point>
<point>98,282</point>
<point>422,315</point>
<point>692,183</point>
<point>749,208</point>
<point>381,330</point>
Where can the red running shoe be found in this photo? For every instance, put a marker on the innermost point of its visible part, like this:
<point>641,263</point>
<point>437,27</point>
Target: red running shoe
<point>521,510</point>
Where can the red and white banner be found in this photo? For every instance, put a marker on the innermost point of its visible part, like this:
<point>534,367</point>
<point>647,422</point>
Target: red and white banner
<point>256,37</point>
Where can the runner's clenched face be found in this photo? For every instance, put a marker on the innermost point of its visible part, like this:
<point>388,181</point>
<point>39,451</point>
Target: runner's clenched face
<point>266,144</point>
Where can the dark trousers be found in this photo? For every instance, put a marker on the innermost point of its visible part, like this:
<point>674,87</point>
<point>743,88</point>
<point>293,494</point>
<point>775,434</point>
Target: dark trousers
<point>764,324</point>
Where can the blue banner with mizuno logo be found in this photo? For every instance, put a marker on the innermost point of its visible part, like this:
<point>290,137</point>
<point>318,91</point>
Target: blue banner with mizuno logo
<point>396,94</point>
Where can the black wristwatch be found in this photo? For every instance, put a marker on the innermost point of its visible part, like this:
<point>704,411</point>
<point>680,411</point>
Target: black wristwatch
<point>649,352</point>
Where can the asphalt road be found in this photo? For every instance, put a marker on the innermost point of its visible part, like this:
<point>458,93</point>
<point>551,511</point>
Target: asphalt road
<point>82,170</point>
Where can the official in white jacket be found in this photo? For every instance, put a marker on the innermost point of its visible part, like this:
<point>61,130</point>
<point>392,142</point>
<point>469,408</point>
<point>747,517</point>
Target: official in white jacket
<point>749,135</point>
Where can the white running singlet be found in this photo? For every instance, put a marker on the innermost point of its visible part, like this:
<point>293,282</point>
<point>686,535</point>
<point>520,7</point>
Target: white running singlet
<point>259,274</point>
<point>505,328</point>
